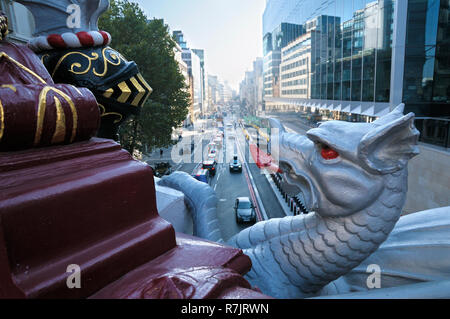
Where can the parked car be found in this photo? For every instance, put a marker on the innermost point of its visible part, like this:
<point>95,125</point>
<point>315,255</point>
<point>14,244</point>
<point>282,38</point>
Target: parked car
<point>202,175</point>
<point>244,210</point>
<point>210,165</point>
<point>235,165</point>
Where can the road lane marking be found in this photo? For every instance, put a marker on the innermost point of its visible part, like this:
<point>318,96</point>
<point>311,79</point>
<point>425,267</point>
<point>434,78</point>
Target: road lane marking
<point>254,194</point>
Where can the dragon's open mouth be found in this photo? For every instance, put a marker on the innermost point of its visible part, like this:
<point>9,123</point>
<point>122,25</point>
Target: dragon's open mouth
<point>297,185</point>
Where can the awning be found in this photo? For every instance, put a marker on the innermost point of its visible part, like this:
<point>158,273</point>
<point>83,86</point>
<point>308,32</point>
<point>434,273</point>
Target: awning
<point>355,109</point>
<point>369,111</point>
<point>346,108</point>
<point>381,111</point>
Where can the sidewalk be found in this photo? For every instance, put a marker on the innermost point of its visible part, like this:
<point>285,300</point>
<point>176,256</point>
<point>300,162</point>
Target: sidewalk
<point>292,122</point>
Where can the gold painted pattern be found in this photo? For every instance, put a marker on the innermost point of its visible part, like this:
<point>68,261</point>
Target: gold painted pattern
<point>76,64</point>
<point>103,113</point>
<point>106,61</point>
<point>116,60</point>
<point>23,67</point>
<point>108,93</point>
<point>60,130</point>
<point>2,120</point>
<point>9,86</point>
<point>44,57</point>
<point>76,89</point>
<point>126,92</point>
<point>150,90</point>
<point>41,113</point>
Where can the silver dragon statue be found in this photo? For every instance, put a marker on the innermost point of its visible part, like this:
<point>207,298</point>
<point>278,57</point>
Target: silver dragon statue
<point>353,177</point>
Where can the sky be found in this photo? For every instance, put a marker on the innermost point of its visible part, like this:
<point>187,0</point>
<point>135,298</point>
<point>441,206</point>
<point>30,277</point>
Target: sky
<point>230,31</point>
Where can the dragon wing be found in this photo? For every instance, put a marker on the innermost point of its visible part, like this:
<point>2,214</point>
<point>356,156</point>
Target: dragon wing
<point>417,251</point>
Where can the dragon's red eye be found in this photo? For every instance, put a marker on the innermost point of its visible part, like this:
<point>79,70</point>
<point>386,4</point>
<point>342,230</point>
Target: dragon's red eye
<point>328,153</point>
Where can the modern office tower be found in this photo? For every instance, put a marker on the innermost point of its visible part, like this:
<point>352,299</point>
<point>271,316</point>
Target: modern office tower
<point>193,64</point>
<point>196,70</point>
<point>227,92</point>
<point>258,73</point>
<point>296,67</point>
<point>273,42</point>
<point>213,83</point>
<point>370,56</point>
<point>178,52</point>
<point>201,54</point>
<point>179,38</point>
<point>350,70</point>
<point>251,88</point>
<point>272,62</point>
<point>278,11</point>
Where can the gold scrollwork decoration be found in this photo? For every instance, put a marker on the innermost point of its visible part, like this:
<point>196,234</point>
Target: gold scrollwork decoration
<point>77,68</point>
<point>43,57</point>
<point>77,65</point>
<point>60,130</point>
<point>103,113</point>
<point>116,60</point>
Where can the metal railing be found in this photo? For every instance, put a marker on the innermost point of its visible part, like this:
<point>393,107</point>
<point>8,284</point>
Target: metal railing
<point>295,205</point>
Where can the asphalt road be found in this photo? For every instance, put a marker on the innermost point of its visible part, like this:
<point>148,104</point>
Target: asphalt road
<point>268,198</point>
<point>228,186</point>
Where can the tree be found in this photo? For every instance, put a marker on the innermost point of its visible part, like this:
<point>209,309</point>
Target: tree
<point>150,45</point>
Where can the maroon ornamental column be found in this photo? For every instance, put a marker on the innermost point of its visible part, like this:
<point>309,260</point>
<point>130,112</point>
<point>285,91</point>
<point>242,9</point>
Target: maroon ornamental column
<point>69,199</point>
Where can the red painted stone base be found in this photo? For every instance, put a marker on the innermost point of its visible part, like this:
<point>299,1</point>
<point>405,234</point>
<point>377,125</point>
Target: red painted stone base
<point>92,205</point>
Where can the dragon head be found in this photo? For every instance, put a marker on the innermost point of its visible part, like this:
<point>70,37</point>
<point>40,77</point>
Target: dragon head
<point>341,168</point>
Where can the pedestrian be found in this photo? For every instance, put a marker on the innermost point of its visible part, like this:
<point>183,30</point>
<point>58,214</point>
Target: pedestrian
<point>161,153</point>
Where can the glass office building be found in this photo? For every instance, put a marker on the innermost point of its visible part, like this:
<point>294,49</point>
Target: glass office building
<point>371,55</point>
<point>273,42</point>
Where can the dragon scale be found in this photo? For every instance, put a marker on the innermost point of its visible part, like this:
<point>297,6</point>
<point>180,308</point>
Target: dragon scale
<point>312,251</point>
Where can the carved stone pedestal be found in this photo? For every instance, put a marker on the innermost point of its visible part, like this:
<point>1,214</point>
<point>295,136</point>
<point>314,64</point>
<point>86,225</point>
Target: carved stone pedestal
<point>90,204</point>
